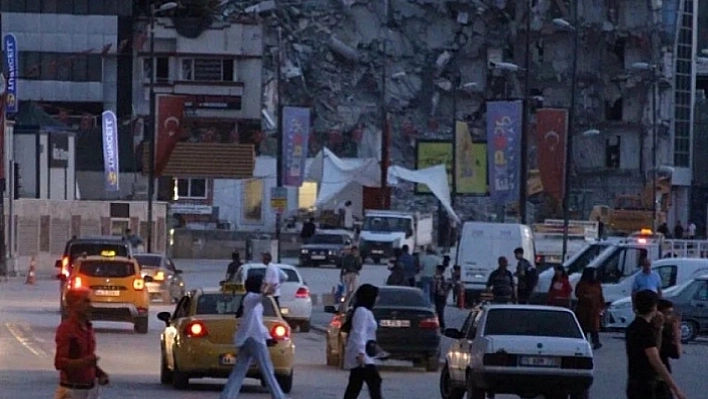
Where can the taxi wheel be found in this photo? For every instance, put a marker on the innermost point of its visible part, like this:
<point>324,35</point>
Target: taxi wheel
<point>140,325</point>
<point>285,382</point>
<point>472,391</point>
<point>305,326</point>
<point>165,372</point>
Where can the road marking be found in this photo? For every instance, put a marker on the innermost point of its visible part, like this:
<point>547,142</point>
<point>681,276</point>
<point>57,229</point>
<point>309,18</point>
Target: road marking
<point>27,342</point>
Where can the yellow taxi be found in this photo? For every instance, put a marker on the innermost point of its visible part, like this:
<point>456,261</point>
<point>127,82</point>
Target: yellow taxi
<point>198,338</point>
<point>117,289</point>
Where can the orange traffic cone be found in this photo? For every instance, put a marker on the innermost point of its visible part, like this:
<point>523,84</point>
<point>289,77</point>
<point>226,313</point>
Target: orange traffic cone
<point>31,274</point>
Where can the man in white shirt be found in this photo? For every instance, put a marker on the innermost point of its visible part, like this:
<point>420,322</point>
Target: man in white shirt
<point>691,231</point>
<point>272,277</point>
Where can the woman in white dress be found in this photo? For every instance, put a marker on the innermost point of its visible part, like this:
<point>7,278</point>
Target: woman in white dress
<point>361,328</point>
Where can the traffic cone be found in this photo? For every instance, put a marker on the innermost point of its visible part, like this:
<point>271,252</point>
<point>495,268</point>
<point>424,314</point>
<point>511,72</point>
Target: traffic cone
<point>31,274</point>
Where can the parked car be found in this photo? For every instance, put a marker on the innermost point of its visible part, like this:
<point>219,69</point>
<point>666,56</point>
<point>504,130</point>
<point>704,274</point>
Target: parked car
<point>523,350</point>
<point>167,284</point>
<point>325,247</point>
<point>295,300</point>
<point>408,328</point>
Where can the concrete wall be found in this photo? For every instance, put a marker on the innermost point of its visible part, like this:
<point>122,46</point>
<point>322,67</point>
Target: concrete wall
<point>214,244</point>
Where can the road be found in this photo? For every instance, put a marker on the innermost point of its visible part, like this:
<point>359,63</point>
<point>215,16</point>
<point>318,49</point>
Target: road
<point>28,317</point>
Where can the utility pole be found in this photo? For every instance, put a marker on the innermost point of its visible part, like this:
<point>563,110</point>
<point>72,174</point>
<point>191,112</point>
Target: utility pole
<point>280,133</point>
<point>384,116</point>
<point>523,194</point>
<point>570,132</point>
<point>152,131</point>
<point>3,178</point>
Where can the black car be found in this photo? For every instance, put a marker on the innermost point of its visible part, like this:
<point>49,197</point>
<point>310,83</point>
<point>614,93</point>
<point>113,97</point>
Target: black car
<point>408,328</point>
<point>325,248</point>
<point>690,300</point>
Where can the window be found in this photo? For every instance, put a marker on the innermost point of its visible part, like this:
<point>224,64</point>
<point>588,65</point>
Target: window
<point>307,195</point>
<point>170,265</point>
<point>162,68</point>
<point>148,261</point>
<point>76,250</point>
<point>398,297</point>
<point>253,200</point>
<point>192,188</point>
<point>327,239</point>
<point>668,275</point>
<point>612,153</point>
<point>702,292</point>
<point>288,275</point>
<point>214,304</point>
<point>67,67</point>
<point>208,70</point>
<point>536,323</point>
<point>48,66</point>
<point>182,308</point>
<point>107,269</point>
<point>465,330</point>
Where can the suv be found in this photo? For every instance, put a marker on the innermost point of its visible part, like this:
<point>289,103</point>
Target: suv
<point>522,350</point>
<point>117,288</point>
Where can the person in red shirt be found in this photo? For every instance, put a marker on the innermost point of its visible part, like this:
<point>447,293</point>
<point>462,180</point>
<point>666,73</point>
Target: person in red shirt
<point>75,357</point>
<point>560,291</point>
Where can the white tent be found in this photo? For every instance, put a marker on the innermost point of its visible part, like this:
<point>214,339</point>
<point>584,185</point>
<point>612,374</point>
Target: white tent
<point>335,175</point>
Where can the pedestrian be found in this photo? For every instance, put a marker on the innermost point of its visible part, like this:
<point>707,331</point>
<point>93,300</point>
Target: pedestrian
<point>233,266</point>
<point>501,283</point>
<point>561,290</point>
<point>591,304</point>
<point>308,230</point>
<point>428,266</point>
<point>351,267</point>
<point>600,229</point>
<point>358,359</point>
<point>644,365</point>
<point>273,276</point>
<point>663,229</point>
<point>75,358</point>
<point>397,276</point>
<point>251,338</point>
<point>678,230</point>
<point>691,231</point>
<point>456,282</point>
<point>647,279</point>
<point>668,325</point>
<point>440,291</point>
<point>527,276</point>
<point>409,267</point>
<point>133,239</point>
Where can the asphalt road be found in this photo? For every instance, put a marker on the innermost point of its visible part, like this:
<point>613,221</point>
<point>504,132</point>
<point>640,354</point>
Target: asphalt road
<point>29,315</point>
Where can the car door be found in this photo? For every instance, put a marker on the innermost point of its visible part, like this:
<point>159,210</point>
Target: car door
<point>458,353</point>
<point>699,305</point>
<point>171,332</point>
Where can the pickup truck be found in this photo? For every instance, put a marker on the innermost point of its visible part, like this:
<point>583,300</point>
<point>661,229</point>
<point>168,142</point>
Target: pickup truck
<point>384,231</point>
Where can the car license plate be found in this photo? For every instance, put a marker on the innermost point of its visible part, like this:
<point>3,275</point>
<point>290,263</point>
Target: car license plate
<point>377,251</point>
<point>318,257</point>
<point>227,359</point>
<point>107,293</point>
<point>284,311</point>
<point>395,323</point>
<point>539,361</point>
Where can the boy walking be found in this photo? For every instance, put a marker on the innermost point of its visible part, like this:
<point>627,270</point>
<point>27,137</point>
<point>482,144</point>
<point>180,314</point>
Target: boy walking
<point>441,289</point>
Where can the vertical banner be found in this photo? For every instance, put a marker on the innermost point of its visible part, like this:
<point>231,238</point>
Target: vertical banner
<point>170,111</point>
<point>10,61</point>
<point>296,131</point>
<point>551,136</point>
<point>504,150</point>
<point>110,151</point>
<point>470,163</point>
<point>431,153</point>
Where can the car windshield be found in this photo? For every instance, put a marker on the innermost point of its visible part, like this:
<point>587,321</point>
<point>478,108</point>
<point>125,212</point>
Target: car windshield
<point>224,303</point>
<point>97,249</point>
<point>107,269</point>
<point>328,239</point>
<point>291,274</point>
<point>578,263</point>
<point>386,224</point>
<point>678,289</point>
<point>149,261</point>
<point>402,298</point>
<point>532,322</point>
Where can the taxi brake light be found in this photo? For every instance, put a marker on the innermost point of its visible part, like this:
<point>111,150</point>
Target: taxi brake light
<point>429,323</point>
<point>76,283</point>
<point>159,276</point>
<point>196,329</point>
<point>280,331</point>
<point>302,292</point>
<point>138,284</point>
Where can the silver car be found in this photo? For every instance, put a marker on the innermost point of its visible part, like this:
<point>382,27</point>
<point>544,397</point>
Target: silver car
<point>167,284</point>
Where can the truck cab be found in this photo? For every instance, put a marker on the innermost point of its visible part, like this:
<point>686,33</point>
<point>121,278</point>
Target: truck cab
<point>384,231</point>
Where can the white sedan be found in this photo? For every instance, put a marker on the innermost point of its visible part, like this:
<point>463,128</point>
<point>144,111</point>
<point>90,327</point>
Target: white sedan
<point>621,312</point>
<point>295,300</point>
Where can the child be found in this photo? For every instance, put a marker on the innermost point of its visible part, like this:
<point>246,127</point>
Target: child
<point>456,282</point>
<point>441,288</point>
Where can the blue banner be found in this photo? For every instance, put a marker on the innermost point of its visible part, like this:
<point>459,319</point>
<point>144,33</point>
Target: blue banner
<point>296,132</point>
<point>110,151</point>
<point>504,150</point>
<point>10,42</point>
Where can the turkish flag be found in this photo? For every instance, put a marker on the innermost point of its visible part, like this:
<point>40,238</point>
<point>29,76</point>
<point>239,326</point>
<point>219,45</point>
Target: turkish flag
<point>170,110</point>
<point>551,136</point>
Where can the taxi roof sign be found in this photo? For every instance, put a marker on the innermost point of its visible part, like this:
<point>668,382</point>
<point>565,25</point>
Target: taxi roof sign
<point>646,232</point>
<point>236,288</point>
<point>108,253</point>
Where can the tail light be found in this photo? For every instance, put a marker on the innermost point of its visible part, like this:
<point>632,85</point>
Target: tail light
<point>336,322</point>
<point>65,266</point>
<point>280,332</point>
<point>302,292</point>
<point>499,359</point>
<point>580,363</point>
<point>138,284</point>
<point>159,276</point>
<point>76,283</point>
<point>429,323</point>
<point>196,329</point>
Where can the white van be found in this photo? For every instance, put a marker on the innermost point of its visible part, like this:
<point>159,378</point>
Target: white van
<point>673,272</point>
<point>480,246</point>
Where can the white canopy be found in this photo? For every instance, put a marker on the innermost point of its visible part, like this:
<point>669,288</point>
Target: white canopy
<point>335,175</point>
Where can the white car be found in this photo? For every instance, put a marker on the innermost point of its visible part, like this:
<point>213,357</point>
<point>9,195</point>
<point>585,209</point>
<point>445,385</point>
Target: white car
<point>295,300</point>
<point>522,350</point>
<point>621,313</point>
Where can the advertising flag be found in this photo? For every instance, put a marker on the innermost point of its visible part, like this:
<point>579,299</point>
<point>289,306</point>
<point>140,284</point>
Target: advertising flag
<point>110,151</point>
<point>504,150</point>
<point>551,136</point>
<point>470,162</point>
<point>296,132</point>
<point>10,42</point>
<point>170,111</point>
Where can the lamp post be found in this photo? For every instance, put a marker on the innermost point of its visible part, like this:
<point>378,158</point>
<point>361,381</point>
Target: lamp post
<point>523,189</point>
<point>153,128</point>
<point>384,114</point>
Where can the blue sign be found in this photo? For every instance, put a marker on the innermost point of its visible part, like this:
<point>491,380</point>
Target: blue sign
<point>504,150</point>
<point>110,151</point>
<point>10,42</point>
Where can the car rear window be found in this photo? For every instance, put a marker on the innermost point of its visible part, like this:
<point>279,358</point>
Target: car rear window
<point>532,322</point>
<point>107,269</point>
<point>149,261</point>
<point>97,249</point>
<point>260,272</point>
<point>411,298</point>
<point>214,304</point>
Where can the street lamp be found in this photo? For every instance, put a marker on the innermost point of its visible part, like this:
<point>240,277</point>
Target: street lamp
<point>644,66</point>
<point>153,130</point>
<point>591,133</point>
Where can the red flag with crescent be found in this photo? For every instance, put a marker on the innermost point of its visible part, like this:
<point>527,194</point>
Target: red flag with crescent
<point>551,135</point>
<point>170,110</point>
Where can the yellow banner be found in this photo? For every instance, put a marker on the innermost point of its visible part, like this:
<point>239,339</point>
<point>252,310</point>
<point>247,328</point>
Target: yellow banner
<point>471,162</point>
<point>431,153</point>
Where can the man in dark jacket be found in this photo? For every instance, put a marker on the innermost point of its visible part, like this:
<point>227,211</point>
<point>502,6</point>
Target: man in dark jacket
<point>308,230</point>
<point>351,267</point>
<point>409,265</point>
<point>527,275</point>
<point>669,332</point>
<point>232,268</point>
<point>501,283</point>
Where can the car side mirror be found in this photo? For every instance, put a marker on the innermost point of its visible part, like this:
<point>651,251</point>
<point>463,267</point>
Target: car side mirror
<point>165,317</point>
<point>178,271</point>
<point>57,264</point>
<point>148,279</point>
<point>452,333</point>
<point>330,309</point>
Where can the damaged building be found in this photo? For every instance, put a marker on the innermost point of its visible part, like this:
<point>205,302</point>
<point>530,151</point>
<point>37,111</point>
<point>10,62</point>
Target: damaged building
<point>350,61</point>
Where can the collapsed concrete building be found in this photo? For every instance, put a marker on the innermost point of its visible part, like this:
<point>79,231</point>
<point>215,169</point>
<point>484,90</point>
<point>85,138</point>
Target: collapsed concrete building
<point>339,55</point>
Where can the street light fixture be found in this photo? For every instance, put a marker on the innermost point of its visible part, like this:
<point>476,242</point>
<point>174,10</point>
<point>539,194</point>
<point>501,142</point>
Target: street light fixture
<point>591,133</point>
<point>153,131</point>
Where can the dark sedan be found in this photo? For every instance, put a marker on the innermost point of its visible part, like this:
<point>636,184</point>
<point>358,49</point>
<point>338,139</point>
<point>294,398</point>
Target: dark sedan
<point>325,247</point>
<point>690,300</point>
<point>408,328</point>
